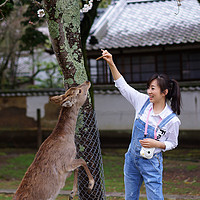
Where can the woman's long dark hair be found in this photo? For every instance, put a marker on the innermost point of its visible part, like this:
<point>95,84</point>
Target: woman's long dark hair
<point>174,94</point>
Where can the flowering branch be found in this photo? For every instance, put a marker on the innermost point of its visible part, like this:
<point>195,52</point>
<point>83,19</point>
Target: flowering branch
<point>40,14</point>
<point>178,4</point>
<point>87,7</point>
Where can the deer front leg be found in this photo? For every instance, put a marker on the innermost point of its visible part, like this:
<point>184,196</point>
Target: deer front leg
<point>80,162</point>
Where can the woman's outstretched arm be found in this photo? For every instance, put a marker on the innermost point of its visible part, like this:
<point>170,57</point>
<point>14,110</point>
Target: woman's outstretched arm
<point>108,58</point>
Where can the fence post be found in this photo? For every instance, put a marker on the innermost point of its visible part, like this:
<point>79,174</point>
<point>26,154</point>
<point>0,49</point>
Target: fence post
<point>39,131</point>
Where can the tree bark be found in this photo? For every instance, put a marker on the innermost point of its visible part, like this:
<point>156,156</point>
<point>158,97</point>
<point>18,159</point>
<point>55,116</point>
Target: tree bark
<point>64,26</point>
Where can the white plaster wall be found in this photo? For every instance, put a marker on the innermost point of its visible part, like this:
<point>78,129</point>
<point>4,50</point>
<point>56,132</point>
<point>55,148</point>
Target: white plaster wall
<point>34,103</point>
<point>190,116</point>
<point>114,112</point>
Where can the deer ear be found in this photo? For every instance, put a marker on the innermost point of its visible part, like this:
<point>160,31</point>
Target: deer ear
<point>56,99</point>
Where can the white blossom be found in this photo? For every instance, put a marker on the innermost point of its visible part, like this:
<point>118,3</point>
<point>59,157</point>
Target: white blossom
<point>87,7</point>
<point>41,13</point>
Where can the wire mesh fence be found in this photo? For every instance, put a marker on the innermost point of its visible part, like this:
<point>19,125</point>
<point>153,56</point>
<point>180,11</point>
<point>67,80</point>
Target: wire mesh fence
<point>88,147</point>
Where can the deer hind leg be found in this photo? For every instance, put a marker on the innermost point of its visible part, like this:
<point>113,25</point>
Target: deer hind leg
<point>74,191</point>
<point>80,162</point>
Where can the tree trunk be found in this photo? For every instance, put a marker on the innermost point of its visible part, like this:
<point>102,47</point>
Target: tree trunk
<point>64,27</point>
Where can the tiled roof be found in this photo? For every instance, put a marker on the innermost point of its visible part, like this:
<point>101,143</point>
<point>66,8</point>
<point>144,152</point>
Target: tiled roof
<point>134,23</point>
<point>35,92</point>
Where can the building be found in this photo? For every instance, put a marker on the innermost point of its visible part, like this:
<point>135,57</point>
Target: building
<point>144,37</point>
<point>147,36</point>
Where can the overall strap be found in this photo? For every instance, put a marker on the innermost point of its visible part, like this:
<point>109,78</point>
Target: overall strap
<point>144,107</point>
<point>166,120</point>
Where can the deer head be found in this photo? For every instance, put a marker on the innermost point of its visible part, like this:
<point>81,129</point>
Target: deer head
<point>74,95</point>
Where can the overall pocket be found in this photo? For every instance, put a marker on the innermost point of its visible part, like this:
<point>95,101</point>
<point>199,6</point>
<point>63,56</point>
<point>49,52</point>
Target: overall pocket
<point>157,163</point>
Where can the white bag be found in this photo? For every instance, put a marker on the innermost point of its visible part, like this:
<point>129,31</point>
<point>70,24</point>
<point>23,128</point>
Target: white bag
<point>147,152</point>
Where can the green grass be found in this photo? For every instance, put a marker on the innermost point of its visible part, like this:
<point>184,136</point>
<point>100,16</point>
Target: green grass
<point>181,174</point>
<point>113,180</point>
<point>16,167</point>
<point>60,197</point>
<point>192,167</point>
<point>2,153</point>
<point>5,197</point>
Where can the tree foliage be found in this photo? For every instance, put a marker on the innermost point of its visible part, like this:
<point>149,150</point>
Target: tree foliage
<point>31,37</point>
<point>5,8</point>
<point>17,35</point>
<point>10,34</point>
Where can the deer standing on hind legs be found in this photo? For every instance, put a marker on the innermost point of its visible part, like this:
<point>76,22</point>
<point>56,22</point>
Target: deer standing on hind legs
<point>55,159</point>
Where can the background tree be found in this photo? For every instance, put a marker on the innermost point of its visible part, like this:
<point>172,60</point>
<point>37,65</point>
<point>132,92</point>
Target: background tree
<point>17,35</point>
<point>53,76</point>
<point>10,34</point>
<point>6,6</point>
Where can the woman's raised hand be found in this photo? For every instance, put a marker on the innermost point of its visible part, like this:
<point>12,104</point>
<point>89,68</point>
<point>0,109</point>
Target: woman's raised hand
<point>107,57</point>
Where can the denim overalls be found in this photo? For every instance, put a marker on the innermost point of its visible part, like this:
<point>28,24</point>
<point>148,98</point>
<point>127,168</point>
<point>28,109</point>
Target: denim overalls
<point>138,169</point>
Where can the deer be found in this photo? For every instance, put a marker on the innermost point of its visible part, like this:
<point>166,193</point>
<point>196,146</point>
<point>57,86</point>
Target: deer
<point>56,157</point>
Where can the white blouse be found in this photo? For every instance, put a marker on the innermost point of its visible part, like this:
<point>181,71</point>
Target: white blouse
<point>169,133</point>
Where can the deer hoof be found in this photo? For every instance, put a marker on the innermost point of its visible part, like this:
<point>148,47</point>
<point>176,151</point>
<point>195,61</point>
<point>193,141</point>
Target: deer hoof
<point>71,196</point>
<point>91,184</point>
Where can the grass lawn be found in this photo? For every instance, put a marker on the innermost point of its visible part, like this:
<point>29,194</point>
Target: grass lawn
<point>181,171</point>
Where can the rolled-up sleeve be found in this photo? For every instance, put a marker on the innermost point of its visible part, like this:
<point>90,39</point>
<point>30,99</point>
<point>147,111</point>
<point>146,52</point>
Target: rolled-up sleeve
<point>171,141</point>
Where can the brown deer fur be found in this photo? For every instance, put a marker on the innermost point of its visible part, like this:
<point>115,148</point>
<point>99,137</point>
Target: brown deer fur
<point>55,159</point>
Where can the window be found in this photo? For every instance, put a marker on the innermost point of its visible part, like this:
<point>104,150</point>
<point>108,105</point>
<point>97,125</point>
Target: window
<point>173,66</point>
<point>191,66</point>
<point>99,71</point>
<point>127,70</point>
<point>136,68</point>
<point>93,70</point>
<point>147,67</point>
<point>139,67</point>
<point>169,64</point>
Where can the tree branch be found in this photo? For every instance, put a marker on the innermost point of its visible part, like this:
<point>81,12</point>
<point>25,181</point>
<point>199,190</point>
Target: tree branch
<point>37,3</point>
<point>29,79</point>
<point>4,3</point>
<point>88,21</point>
<point>1,13</point>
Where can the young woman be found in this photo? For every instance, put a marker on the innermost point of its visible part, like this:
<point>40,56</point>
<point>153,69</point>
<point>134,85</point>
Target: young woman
<point>155,129</point>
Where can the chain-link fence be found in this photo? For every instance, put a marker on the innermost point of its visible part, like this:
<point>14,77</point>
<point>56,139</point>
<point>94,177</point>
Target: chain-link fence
<point>88,147</point>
